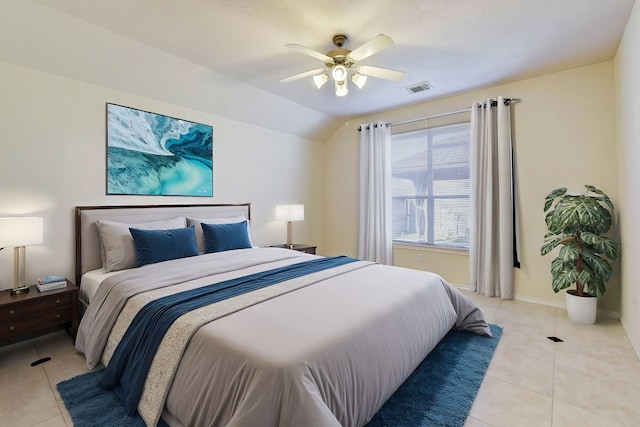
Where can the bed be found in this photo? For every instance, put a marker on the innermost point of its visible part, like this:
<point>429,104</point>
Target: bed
<point>325,343</point>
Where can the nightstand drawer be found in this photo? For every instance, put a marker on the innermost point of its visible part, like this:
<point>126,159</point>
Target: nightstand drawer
<point>36,321</point>
<point>36,305</point>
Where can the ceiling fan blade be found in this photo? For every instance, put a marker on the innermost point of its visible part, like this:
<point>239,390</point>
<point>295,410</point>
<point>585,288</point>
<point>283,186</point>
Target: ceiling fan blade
<point>321,56</point>
<point>373,46</point>
<point>303,75</point>
<point>380,73</point>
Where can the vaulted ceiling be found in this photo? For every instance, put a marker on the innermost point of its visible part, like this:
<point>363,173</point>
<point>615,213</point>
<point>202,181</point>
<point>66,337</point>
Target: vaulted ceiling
<point>454,45</point>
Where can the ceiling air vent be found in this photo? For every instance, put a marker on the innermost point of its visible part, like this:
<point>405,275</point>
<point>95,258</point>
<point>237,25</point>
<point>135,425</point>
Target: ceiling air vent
<point>419,87</point>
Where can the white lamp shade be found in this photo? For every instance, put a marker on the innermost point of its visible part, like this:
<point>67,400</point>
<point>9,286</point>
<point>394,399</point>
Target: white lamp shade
<point>339,73</point>
<point>320,80</point>
<point>359,80</point>
<point>20,231</point>
<point>341,88</point>
<point>290,212</point>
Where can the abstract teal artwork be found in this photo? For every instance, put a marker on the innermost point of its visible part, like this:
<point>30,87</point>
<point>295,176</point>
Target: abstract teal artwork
<point>153,154</point>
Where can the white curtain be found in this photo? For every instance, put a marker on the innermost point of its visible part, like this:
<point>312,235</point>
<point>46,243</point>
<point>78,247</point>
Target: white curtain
<point>492,248</point>
<point>374,206</point>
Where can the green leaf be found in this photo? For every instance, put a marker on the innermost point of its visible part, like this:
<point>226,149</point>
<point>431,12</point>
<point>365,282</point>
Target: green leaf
<point>597,288</point>
<point>552,225</point>
<point>600,266</point>
<point>602,245</point>
<point>551,242</point>
<point>578,213</point>
<point>610,248</point>
<point>593,189</point>
<point>564,279</point>
<point>604,198</point>
<point>569,253</point>
<point>548,201</point>
<point>585,276</point>
<point>556,266</point>
<point>590,238</point>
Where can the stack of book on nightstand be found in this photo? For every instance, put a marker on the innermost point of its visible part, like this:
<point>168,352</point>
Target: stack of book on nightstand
<point>49,283</point>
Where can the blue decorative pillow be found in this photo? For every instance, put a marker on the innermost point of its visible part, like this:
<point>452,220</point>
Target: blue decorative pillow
<point>224,237</point>
<point>161,245</point>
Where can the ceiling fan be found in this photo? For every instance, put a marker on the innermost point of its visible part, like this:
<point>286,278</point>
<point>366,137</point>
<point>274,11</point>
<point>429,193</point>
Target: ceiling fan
<point>342,63</point>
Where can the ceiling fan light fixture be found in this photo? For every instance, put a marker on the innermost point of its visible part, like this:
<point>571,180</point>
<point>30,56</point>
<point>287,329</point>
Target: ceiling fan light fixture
<point>339,73</point>
<point>320,79</point>
<point>341,88</point>
<point>359,80</point>
<point>342,64</point>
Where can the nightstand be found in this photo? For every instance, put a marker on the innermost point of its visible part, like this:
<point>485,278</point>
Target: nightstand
<point>36,313</point>
<point>300,248</point>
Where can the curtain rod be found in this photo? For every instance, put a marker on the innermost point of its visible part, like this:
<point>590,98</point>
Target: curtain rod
<point>430,117</point>
<point>507,101</point>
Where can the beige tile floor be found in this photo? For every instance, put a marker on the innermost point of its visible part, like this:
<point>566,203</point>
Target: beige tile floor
<point>590,379</point>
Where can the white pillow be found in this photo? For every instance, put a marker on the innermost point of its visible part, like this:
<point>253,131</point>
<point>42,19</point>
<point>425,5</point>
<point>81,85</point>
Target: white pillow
<point>200,234</point>
<point>119,251</point>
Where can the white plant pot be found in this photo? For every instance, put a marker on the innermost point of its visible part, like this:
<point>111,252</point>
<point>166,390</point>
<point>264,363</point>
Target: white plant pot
<point>581,309</point>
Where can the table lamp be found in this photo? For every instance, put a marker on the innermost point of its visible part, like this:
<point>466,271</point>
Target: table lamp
<point>290,213</point>
<point>19,232</point>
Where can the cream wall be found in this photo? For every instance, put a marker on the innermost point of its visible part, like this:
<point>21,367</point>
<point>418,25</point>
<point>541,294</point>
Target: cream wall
<point>52,158</point>
<point>452,263</point>
<point>627,70</point>
<point>564,136</point>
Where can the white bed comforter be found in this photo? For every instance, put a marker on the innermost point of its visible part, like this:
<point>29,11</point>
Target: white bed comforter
<point>329,354</point>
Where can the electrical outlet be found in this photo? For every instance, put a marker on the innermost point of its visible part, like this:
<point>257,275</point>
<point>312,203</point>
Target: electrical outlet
<point>420,257</point>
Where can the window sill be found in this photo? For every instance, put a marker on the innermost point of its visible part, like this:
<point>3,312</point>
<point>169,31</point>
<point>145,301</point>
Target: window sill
<point>430,248</point>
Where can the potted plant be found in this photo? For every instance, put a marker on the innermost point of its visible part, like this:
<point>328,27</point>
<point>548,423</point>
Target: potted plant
<point>576,223</point>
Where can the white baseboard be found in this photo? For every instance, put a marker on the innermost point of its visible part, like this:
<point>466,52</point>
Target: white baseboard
<point>607,313</point>
<point>548,303</point>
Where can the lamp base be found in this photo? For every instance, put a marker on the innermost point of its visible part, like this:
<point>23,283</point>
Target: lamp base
<point>20,290</point>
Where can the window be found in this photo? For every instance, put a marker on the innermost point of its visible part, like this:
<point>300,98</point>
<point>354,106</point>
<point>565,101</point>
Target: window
<point>431,186</point>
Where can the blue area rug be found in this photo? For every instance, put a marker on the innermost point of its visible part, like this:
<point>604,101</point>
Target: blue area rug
<point>439,392</point>
<point>442,388</point>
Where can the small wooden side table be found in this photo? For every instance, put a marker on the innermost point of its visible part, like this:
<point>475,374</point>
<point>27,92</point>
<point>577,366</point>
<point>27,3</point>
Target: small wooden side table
<point>36,313</point>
